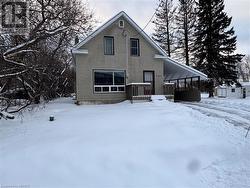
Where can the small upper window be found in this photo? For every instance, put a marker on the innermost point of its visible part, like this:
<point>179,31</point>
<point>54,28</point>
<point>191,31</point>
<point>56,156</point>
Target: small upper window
<point>121,23</point>
<point>233,90</point>
<point>134,47</point>
<point>109,45</point>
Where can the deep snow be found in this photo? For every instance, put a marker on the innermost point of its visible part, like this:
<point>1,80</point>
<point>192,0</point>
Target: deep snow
<point>151,144</point>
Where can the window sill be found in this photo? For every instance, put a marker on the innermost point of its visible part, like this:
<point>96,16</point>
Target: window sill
<point>110,92</point>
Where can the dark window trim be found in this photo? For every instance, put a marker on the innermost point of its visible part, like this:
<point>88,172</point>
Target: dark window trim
<point>104,45</point>
<point>138,40</point>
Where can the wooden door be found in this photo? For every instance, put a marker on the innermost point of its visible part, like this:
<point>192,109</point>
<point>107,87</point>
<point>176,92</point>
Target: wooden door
<point>149,77</point>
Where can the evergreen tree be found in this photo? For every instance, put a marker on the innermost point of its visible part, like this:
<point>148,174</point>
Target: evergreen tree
<point>185,22</point>
<point>164,25</point>
<point>215,42</point>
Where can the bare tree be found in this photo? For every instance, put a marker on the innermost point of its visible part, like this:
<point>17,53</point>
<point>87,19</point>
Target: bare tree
<point>244,69</point>
<point>38,65</point>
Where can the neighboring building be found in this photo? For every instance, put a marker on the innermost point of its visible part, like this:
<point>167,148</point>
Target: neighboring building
<point>224,91</point>
<point>119,60</point>
<point>234,91</point>
<point>246,87</point>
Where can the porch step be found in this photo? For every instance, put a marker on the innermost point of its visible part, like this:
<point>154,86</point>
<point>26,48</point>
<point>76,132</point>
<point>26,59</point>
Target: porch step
<point>158,97</point>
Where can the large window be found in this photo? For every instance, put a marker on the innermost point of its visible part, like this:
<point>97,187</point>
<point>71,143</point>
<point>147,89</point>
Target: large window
<point>134,47</point>
<point>109,81</point>
<point>109,45</point>
<point>103,78</point>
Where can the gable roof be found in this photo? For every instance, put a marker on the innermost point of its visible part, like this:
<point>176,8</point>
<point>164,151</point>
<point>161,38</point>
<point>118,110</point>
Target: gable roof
<point>140,31</point>
<point>110,22</point>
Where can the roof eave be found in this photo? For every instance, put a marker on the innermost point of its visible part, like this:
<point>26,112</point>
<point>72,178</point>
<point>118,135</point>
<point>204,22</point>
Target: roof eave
<point>82,51</point>
<point>98,30</point>
<point>201,74</point>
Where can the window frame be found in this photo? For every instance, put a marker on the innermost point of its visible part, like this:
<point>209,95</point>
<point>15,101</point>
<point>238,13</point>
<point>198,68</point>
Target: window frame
<point>138,46</point>
<point>104,45</point>
<point>121,25</point>
<point>119,88</point>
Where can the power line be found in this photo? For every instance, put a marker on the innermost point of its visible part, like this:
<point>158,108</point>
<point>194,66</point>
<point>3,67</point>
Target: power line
<point>148,21</point>
<point>142,30</point>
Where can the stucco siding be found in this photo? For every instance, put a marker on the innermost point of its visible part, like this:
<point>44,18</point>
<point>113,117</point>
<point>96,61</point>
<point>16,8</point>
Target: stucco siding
<point>121,60</point>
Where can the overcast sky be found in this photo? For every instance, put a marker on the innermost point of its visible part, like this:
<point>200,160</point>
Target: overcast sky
<point>142,10</point>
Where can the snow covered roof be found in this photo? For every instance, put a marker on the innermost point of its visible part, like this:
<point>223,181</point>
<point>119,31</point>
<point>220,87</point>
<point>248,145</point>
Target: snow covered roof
<point>245,83</point>
<point>80,51</point>
<point>221,87</point>
<point>166,83</point>
<point>181,69</point>
<point>143,84</point>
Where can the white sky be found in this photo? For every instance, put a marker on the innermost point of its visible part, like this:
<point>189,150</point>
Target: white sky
<point>142,10</point>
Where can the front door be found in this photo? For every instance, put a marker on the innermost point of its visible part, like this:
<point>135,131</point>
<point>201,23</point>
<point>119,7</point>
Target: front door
<point>149,77</point>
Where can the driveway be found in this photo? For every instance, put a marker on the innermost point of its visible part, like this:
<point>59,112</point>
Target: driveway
<point>234,111</point>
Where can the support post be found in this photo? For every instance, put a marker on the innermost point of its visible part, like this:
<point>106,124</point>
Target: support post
<point>199,83</point>
<point>132,93</point>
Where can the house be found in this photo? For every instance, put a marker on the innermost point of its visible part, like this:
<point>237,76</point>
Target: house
<point>246,88</point>
<point>119,61</point>
<point>233,91</point>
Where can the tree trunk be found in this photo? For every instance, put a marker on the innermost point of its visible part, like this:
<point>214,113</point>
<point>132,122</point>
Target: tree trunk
<point>211,88</point>
<point>211,93</point>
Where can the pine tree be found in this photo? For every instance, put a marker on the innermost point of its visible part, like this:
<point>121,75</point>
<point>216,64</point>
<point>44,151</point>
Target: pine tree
<point>164,26</point>
<point>215,42</point>
<point>185,21</point>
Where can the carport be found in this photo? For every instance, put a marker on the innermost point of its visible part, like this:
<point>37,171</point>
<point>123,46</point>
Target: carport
<point>186,79</point>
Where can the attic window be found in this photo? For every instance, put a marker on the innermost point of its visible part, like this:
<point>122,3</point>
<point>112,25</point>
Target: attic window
<point>121,23</point>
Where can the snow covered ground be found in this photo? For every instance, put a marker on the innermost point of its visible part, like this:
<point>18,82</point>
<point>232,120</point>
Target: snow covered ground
<point>152,144</point>
<point>235,111</point>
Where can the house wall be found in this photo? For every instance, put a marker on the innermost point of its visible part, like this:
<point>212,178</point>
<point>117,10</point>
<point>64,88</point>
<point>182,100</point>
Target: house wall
<point>236,94</point>
<point>134,66</point>
<point>247,90</point>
